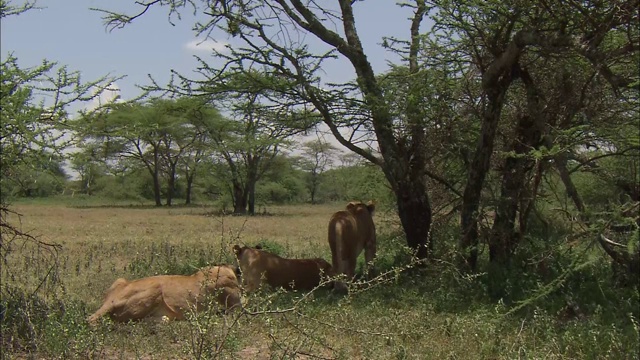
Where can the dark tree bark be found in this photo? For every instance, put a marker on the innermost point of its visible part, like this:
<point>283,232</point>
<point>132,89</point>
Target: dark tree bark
<point>504,238</point>
<point>155,173</point>
<point>190,177</point>
<point>157,194</point>
<point>528,136</point>
<point>239,198</point>
<point>253,164</point>
<point>496,80</point>
<point>496,91</point>
<point>414,210</point>
<point>171,183</point>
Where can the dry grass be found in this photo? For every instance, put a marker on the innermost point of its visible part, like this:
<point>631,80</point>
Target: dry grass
<point>98,243</point>
<point>415,318</point>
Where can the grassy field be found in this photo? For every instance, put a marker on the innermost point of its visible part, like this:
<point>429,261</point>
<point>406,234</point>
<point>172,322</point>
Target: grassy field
<point>428,314</point>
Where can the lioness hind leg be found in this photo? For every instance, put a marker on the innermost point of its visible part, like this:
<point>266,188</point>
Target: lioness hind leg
<point>369,256</point>
<point>347,268</point>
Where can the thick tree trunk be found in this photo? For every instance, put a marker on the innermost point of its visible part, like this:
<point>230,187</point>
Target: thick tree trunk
<point>190,178</point>
<point>252,179</point>
<point>157,194</point>
<point>239,199</point>
<point>503,240</point>
<point>468,245</point>
<point>496,80</point>
<point>415,216</point>
<point>313,196</point>
<point>252,198</point>
<point>414,210</point>
<point>171,182</point>
<point>528,136</point>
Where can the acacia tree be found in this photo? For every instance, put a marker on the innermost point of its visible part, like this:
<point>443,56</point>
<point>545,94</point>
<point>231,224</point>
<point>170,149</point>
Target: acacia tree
<point>158,135</point>
<point>33,108</point>
<point>185,143</point>
<point>317,157</point>
<point>505,42</point>
<point>34,119</point>
<point>253,136</point>
<point>88,163</point>
<point>34,104</point>
<point>131,131</point>
<point>353,107</point>
<point>195,143</point>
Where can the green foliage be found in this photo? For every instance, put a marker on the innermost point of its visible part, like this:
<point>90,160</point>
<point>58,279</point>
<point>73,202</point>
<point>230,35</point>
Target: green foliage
<point>597,193</point>
<point>272,247</point>
<point>167,138</point>
<point>33,124</point>
<point>272,193</point>
<point>34,106</point>
<point>56,327</point>
<point>29,182</point>
<point>358,182</point>
<point>282,183</point>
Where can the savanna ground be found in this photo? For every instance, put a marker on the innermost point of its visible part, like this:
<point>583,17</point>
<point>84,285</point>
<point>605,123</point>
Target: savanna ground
<point>432,313</point>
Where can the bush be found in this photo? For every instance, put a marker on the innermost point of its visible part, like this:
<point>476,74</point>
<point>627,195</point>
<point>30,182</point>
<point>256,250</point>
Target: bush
<point>118,189</point>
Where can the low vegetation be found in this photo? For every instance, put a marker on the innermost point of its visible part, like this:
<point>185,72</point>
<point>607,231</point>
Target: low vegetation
<point>565,307</point>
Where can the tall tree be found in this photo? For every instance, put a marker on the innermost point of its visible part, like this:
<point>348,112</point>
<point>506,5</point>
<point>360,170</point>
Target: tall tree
<point>34,103</point>
<point>354,107</point>
<point>132,131</point>
<point>184,144</point>
<point>256,132</point>
<point>502,41</point>
<point>159,135</point>
<point>491,45</point>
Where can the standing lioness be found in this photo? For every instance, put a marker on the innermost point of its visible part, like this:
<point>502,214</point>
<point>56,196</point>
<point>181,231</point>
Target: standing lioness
<point>351,231</point>
<point>169,295</point>
<point>299,274</point>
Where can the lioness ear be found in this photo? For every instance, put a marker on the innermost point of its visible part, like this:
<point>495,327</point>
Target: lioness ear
<point>351,205</point>
<point>259,247</point>
<point>371,206</point>
<point>237,249</point>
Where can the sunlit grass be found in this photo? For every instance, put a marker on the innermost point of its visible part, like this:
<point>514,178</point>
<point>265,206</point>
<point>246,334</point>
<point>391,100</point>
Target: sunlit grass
<point>430,315</point>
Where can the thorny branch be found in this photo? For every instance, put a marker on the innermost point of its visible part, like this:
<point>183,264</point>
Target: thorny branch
<point>9,234</point>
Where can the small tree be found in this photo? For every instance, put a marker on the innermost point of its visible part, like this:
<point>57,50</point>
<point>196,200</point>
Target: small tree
<point>258,129</point>
<point>33,121</point>
<point>317,158</point>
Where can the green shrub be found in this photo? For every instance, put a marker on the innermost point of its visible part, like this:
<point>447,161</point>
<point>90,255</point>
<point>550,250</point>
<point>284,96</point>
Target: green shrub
<point>272,247</point>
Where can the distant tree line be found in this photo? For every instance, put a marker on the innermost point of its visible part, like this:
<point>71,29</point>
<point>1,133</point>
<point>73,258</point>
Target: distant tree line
<point>184,150</point>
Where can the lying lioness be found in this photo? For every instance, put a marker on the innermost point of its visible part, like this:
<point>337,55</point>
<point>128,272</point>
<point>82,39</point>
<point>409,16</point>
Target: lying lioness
<point>169,296</point>
<point>300,274</point>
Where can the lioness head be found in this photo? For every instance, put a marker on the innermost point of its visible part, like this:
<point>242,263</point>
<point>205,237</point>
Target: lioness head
<point>355,206</point>
<point>238,250</point>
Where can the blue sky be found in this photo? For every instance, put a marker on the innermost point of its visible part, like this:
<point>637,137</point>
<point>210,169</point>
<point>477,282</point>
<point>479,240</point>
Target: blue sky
<point>68,32</point>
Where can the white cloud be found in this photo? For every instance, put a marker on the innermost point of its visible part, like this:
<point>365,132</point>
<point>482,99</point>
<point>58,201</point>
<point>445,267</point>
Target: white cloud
<point>206,45</point>
<point>108,95</point>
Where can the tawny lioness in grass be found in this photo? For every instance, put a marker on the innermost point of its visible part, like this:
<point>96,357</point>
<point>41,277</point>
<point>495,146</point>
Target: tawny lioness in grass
<point>169,297</point>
